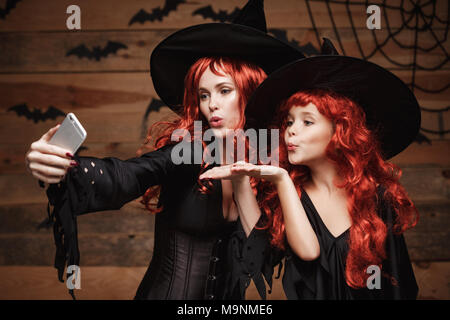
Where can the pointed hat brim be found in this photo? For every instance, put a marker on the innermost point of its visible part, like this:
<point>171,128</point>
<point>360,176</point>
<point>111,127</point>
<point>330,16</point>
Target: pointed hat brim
<point>172,58</point>
<point>392,110</point>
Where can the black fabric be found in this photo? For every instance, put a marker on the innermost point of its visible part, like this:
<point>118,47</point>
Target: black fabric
<point>251,258</point>
<point>324,278</point>
<point>252,15</point>
<point>191,235</point>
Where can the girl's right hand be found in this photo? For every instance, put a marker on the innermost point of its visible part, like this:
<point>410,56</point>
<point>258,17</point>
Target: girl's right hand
<point>48,162</point>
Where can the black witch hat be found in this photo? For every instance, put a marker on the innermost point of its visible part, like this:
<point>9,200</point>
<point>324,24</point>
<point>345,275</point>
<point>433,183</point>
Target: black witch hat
<point>245,38</point>
<point>392,111</point>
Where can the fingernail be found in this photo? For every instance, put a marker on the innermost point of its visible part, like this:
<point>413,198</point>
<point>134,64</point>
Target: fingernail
<point>74,163</point>
<point>69,154</point>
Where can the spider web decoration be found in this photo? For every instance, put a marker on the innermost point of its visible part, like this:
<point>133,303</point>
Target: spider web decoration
<point>419,17</point>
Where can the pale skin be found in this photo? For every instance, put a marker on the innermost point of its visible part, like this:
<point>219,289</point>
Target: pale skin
<point>307,135</point>
<point>218,96</point>
<point>300,235</point>
<point>47,162</point>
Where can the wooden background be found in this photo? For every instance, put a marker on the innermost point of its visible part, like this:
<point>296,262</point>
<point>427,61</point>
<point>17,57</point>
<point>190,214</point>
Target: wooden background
<point>111,96</point>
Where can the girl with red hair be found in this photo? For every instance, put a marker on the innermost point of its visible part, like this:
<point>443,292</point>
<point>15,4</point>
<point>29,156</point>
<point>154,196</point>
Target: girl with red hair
<point>195,73</point>
<point>340,118</point>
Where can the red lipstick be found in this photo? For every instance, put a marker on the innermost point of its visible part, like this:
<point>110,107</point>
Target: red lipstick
<point>216,121</point>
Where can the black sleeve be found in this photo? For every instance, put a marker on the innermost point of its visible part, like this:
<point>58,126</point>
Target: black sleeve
<point>109,183</point>
<point>250,258</point>
<point>96,185</point>
<point>398,280</point>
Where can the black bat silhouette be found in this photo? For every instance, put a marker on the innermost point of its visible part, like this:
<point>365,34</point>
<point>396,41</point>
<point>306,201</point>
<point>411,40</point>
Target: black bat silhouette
<point>222,15</point>
<point>422,138</point>
<point>155,105</point>
<point>307,49</point>
<point>10,4</point>
<point>157,13</point>
<point>37,115</point>
<point>96,53</point>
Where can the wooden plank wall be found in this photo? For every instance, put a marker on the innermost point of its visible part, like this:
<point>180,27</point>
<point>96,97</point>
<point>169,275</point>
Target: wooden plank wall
<point>111,95</point>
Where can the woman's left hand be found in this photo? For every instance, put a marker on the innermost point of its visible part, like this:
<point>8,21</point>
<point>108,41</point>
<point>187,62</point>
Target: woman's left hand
<point>241,169</point>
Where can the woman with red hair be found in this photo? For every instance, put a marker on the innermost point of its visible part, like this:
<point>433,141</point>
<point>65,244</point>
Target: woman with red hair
<point>196,73</point>
<point>340,119</point>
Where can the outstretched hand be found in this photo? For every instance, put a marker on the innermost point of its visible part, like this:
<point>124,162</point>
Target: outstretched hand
<point>241,169</point>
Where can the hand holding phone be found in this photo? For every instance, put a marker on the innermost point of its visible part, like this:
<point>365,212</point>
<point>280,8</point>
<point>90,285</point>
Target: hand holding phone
<point>49,158</point>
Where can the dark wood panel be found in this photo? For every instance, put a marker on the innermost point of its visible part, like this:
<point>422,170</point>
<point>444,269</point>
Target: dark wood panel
<point>422,183</point>
<point>126,238</point>
<point>380,47</point>
<point>131,219</point>
<point>116,249</point>
<point>41,283</point>
<point>46,52</point>
<point>20,189</point>
<point>125,127</point>
<point>116,101</point>
<point>104,14</point>
<point>425,246</point>
<point>437,152</point>
<point>120,283</point>
<point>12,156</point>
<point>116,91</point>
<point>109,92</point>
<point>426,182</point>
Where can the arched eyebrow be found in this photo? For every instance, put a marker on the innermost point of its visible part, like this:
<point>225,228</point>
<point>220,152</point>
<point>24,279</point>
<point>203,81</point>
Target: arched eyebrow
<point>301,112</point>
<point>218,85</point>
<point>307,113</point>
<point>223,84</point>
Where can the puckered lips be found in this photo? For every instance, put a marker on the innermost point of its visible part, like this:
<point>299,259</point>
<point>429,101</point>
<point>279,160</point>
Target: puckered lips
<point>216,121</point>
<point>291,146</point>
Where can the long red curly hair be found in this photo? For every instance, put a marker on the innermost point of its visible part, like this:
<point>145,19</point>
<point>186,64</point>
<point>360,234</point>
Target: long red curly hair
<point>246,76</point>
<point>355,152</point>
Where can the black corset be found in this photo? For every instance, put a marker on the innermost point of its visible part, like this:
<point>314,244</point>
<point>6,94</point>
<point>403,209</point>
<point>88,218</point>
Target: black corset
<point>185,266</point>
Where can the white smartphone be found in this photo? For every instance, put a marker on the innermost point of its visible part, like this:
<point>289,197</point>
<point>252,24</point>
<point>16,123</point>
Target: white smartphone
<point>70,134</point>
